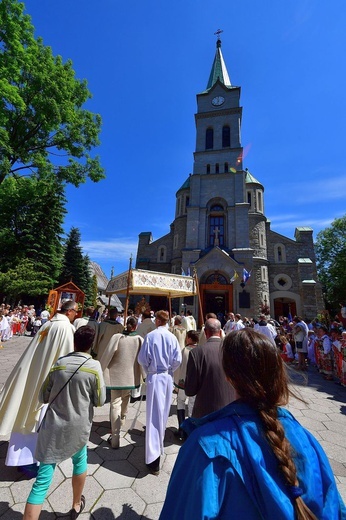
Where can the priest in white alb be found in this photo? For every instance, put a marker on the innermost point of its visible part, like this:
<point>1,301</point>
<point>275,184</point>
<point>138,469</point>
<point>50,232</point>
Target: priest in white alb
<point>160,356</point>
<point>20,409</point>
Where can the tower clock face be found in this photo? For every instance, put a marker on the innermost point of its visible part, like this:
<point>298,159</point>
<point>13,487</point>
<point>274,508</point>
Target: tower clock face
<point>218,101</point>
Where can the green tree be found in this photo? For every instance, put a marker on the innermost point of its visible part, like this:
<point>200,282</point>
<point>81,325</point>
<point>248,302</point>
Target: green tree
<point>331,261</point>
<point>44,129</point>
<point>23,281</point>
<point>31,213</point>
<point>75,264</point>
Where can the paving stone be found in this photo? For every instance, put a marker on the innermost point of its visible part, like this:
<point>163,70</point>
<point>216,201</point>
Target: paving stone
<point>169,462</point>
<point>152,488</point>
<point>106,453</point>
<point>116,475</point>
<point>338,439</point>
<point>339,469</point>
<point>312,424</point>
<point>338,418</point>
<point>122,503</point>
<point>8,474</point>
<point>6,500</point>
<point>153,511</point>
<point>61,498</point>
<point>137,459</point>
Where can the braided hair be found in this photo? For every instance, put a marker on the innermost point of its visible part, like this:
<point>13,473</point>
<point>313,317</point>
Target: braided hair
<point>255,368</point>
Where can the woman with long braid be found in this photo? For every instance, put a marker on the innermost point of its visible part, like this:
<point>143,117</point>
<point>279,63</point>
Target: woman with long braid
<point>252,460</point>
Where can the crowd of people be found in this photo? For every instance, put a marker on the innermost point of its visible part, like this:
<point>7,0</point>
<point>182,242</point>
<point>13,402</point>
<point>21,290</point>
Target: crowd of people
<point>229,380</point>
<point>20,320</point>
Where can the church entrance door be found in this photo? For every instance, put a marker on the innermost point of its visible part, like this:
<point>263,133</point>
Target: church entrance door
<point>284,307</point>
<point>216,298</point>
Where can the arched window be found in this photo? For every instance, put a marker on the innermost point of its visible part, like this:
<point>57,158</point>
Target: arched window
<point>161,254</point>
<point>216,278</point>
<point>187,202</point>
<point>226,137</point>
<point>208,168</point>
<point>217,169</point>
<point>226,167</point>
<point>259,201</point>
<point>209,139</point>
<point>216,226</point>
<point>280,253</point>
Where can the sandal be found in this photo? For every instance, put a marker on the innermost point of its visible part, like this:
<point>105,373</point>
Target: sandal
<point>74,514</point>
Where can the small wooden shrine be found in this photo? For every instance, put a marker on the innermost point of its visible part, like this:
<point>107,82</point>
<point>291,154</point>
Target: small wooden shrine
<point>68,291</point>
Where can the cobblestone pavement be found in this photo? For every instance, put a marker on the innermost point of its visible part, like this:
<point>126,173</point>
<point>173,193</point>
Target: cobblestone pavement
<point>118,485</point>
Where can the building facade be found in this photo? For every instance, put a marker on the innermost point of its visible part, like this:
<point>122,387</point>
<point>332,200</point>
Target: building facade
<point>220,230</point>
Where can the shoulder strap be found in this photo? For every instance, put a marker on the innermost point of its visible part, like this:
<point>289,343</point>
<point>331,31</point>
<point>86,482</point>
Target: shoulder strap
<point>61,389</point>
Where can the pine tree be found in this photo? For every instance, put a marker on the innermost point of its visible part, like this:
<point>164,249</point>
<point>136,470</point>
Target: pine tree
<point>76,265</point>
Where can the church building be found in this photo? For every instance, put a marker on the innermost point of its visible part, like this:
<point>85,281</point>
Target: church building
<point>220,230</point>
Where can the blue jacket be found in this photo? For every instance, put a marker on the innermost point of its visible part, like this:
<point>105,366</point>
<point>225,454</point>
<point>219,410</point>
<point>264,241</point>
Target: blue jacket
<point>227,470</point>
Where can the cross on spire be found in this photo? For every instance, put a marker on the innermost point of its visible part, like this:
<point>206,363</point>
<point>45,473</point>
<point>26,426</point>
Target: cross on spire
<point>218,32</point>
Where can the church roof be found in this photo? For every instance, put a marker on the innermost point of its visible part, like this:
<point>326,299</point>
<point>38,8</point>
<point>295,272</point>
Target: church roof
<point>249,178</point>
<point>218,70</point>
<point>186,184</point>
<point>102,280</point>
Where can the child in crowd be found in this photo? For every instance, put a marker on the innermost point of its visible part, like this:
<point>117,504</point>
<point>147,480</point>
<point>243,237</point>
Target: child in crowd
<point>286,354</point>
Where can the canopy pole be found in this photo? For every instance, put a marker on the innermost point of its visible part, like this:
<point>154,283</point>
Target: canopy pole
<point>170,309</point>
<point>200,317</point>
<point>127,291</point>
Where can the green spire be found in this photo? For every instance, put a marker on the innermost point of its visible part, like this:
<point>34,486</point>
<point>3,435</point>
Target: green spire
<point>218,70</point>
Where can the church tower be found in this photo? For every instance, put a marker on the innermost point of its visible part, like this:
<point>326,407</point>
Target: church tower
<point>220,230</point>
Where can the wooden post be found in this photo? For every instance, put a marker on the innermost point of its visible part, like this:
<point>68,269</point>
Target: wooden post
<point>127,291</point>
<point>170,309</point>
<point>200,317</point>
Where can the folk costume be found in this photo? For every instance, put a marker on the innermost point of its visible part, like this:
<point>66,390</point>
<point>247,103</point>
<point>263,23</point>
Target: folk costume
<point>326,354</point>
<point>122,373</point>
<point>146,326</point>
<point>159,356</point>
<point>106,330</point>
<point>226,470</point>
<point>19,403</point>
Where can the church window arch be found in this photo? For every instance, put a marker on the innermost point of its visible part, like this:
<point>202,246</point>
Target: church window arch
<point>217,168</point>
<point>226,167</point>
<point>249,198</point>
<point>216,278</point>
<point>175,241</point>
<point>280,253</point>
<point>216,226</point>
<point>161,254</point>
<point>187,202</point>
<point>208,168</point>
<point>209,139</point>
<point>178,207</point>
<point>226,137</point>
<point>259,201</point>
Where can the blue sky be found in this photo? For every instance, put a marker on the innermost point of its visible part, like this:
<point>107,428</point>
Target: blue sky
<point>146,61</point>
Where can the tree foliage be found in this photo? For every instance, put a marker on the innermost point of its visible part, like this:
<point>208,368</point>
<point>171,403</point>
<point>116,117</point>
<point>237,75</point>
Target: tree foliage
<point>24,280</point>
<point>44,129</point>
<point>331,261</point>
<point>31,213</point>
<point>75,263</point>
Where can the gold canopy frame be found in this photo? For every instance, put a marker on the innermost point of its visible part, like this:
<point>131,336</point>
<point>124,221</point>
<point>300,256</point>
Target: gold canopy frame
<point>139,281</point>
